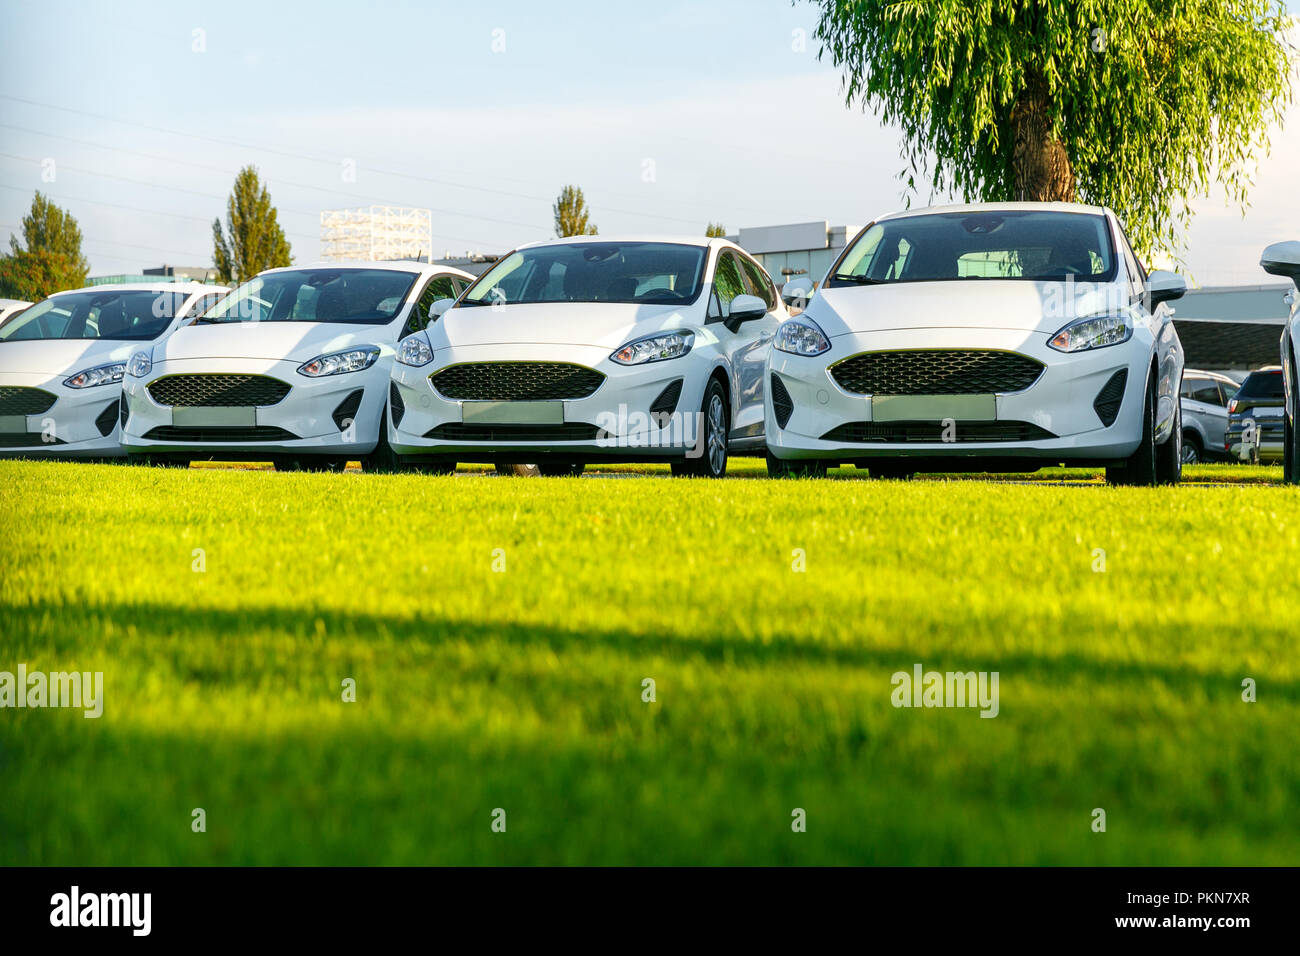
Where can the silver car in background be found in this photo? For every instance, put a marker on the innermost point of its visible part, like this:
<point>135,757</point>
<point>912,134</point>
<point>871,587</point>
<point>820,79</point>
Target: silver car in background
<point>1205,397</point>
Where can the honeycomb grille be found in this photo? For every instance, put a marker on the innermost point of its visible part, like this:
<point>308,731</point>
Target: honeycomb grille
<point>901,433</point>
<point>219,391</point>
<point>16,400</point>
<point>516,381</point>
<point>936,372</point>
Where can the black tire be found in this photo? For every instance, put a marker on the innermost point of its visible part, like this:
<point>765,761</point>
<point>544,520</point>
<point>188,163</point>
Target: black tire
<point>1139,468</point>
<point>321,463</point>
<point>1193,453</point>
<point>716,420</point>
<point>562,469</point>
<point>795,467</point>
<point>518,471</point>
<point>1169,456</point>
<point>383,460</point>
<point>891,471</point>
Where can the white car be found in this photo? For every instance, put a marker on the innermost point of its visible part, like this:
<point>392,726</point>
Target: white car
<point>291,367</point>
<point>10,308</point>
<point>1002,336</point>
<point>62,361</point>
<point>1283,259</point>
<point>592,349</point>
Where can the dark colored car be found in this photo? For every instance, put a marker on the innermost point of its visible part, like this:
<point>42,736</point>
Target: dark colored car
<point>1255,417</point>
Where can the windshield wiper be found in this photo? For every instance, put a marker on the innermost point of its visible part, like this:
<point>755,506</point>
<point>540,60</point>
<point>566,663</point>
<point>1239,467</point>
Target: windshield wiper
<point>860,280</point>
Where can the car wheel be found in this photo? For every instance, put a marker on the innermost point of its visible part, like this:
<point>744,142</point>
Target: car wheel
<point>1139,468</point>
<point>1290,440</point>
<point>1192,453</point>
<point>383,459</point>
<point>518,471</point>
<point>794,468</point>
<point>891,471</point>
<point>1169,456</point>
<point>717,427</point>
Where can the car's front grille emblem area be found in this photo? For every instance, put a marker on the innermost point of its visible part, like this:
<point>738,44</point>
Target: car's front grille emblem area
<point>19,400</point>
<point>516,381</point>
<point>218,390</point>
<point>936,372</point>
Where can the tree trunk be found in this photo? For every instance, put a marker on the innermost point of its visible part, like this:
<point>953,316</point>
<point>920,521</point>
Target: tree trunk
<point>1039,163</point>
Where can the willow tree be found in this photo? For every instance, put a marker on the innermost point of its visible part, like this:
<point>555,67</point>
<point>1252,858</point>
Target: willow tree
<point>1140,105</point>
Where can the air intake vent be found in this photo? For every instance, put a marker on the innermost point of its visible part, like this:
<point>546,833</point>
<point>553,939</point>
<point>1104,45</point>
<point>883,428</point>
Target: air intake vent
<point>901,433</point>
<point>346,413</point>
<point>516,381</point>
<point>666,403</point>
<point>107,419</point>
<point>459,431</point>
<point>1111,396</point>
<point>256,433</point>
<point>10,440</point>
<point>18,400</point>
<point>396,406</point>
<point>782,403</point>
<point>218,390</point>
<point>936,372</point>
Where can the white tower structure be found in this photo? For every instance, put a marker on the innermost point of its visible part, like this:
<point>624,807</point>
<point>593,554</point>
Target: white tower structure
<point>374,233</point>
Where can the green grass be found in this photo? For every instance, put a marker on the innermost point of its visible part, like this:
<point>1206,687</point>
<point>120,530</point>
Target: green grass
<point>522,690</point>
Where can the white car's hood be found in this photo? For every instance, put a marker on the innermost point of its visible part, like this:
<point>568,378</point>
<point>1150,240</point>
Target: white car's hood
<point>1018,305</point>
<point>605,324</point>
<point>290,341</point>
<point>64,356</point>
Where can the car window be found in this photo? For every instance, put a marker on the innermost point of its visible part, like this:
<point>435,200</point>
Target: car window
<point>1229,391</point>
<point>439,287</point>
<point>757,282</point>
<point>727,281</point>
<point>105,313</point>
<point>341,295</point>
<point>1190,386</point>
<point>1208,393</point>
<point>1262,385</point>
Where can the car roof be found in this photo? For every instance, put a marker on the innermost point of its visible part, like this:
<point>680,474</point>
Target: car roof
<point>1201,373</point>
<point>1266,370</point>
<point>701,241</point>
<point>189,288</point>
<point>393,265</point>
<point>1064,207</point>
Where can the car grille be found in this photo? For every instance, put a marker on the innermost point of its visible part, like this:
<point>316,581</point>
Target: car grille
<point>218,390</point>
<point>516,381</point>
<point>569,431</point>
<point>901,433</point>
<point>936,372</point>
<point>17,400</point>
<point>230,434</point>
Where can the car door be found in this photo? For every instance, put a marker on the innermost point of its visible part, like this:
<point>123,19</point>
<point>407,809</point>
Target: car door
<point>1169,351</point>
<point>739,345</point>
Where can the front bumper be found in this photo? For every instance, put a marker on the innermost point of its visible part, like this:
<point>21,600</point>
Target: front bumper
<point>612,424</point>
<point>1059,402</point>
<point>81,423</point>
<point>301,423</point>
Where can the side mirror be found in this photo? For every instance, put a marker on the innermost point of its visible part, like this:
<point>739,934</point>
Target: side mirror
<point>1165,286</point>
<point>440,308</point>
<point>747,307</point>
<point>797,291</point>
<point>1282,259</point>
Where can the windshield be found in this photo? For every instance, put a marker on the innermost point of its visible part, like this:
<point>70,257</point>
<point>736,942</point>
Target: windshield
<point>641,272</point>
<point>980,245</point>
<point>108,313</point>
<point>361,296</point>
<point>1262,385</point>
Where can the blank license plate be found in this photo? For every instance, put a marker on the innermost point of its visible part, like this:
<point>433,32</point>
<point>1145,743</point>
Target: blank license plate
<point>241,417</point>
<point>13,424</point>
<point>934,408</point>
<point>512,413</point>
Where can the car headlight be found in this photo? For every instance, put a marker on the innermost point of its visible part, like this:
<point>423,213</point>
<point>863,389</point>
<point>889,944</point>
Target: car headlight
<point>139,365</point>
<point>340,363</point>
<point>1094,332</point>
<point>655,348</point>
<point>99,375</point>
<point>415,350</point>
<point>800,337</point>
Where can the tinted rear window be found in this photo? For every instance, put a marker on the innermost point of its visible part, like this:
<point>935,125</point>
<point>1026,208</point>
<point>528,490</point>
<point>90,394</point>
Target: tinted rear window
<point>1262,385</point>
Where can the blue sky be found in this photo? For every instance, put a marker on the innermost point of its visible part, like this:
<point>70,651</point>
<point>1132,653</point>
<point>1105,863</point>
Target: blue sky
<point>668,116</point>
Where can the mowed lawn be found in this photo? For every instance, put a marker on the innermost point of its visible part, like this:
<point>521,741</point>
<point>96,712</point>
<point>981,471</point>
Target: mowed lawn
<point>499,632</point>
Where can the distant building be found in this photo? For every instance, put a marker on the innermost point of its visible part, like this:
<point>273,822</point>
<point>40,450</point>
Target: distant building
<point>163,273</point>
<point>375,233</point>
<point>801,248</point>
<point>1232,329</point>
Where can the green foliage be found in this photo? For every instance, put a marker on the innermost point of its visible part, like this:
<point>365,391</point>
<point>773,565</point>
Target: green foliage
<point>522,689</point>
<point>253,240</point>
<point>1151,100</point>
<point>715,230</point>
<point>571,214</point>
<point>52,260</point>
